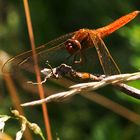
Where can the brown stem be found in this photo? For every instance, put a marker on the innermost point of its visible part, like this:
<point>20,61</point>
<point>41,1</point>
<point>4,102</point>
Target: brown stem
<point>40,88</point>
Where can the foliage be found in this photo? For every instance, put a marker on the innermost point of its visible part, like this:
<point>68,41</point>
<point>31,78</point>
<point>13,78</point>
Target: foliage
<point>76,118</point>
<point>24,122</point>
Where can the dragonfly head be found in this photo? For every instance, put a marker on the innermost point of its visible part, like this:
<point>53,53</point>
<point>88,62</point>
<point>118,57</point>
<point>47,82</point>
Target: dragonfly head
<point>72,45</point>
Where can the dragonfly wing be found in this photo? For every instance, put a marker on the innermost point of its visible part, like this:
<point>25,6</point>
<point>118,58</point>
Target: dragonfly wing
<point>42,51</point>
<point>107,62</point>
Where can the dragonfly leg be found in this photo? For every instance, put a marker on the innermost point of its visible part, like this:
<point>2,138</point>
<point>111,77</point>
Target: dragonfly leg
<point>81,56</point>
<point>75,61</point>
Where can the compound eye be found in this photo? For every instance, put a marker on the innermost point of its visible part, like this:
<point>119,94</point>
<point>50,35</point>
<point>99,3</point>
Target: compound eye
<point>72,46</point>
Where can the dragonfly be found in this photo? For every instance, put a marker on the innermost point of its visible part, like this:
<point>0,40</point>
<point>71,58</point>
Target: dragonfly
<point>74,44</point>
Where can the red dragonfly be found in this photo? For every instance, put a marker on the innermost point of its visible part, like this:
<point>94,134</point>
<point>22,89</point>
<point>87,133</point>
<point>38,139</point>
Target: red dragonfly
<point>75,44</point>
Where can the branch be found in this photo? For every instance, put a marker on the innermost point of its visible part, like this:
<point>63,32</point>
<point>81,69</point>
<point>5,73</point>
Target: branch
<point>116,80</point>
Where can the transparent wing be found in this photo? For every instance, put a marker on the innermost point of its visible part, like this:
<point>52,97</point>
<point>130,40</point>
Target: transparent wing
<point>107,62</point>
<point>49,51</point>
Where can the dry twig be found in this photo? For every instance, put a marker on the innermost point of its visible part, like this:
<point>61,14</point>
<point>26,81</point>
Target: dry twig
<point>116,80</point>
<point>40,88</point>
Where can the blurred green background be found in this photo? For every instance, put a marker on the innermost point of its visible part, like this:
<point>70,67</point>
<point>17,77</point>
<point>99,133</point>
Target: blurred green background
<point>77,118</point>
